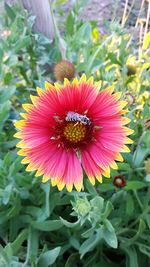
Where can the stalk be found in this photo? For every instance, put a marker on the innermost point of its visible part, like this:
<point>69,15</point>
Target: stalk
<point>57,33</point>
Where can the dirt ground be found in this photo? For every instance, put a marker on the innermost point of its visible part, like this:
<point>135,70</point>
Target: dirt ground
<point>108,10</point>
<point>100,10</point>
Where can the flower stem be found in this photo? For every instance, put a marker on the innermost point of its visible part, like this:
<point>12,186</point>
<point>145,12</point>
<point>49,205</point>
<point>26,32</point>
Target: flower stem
<point>138,200</point>
<point>57,33</point>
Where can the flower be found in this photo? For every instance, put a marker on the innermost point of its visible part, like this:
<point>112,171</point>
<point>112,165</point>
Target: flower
<point>71,128</point>
<point>131,65</point>
<point>64,69</point>
<point>131,69</point>
<point>95,35</point>
<point>130,98</point>
<point>119,181</point>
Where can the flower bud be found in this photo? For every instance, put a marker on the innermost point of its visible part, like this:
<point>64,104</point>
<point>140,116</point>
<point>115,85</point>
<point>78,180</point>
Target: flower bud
<point>64,69</point>
<point>131,69</point>
<point>119,181</point>
<point>130,98</point>
<point>82,206</point>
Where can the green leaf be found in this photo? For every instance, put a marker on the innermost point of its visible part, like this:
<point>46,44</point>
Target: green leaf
<point>134,185</point>
<point>74,242</point>
<point>90,188</point>
<point>3,216</point>
<point>69,224</point>
<point>147,178</point>
<point>70,24</point>
<point>72,260</point>
<point>33,241</point>
<point>141,228</point>
<point>49,257</point>
<point>7,160</point>
<point>7,78</point>
<point>144,249</point>
<point>147,217</point>
<point>88,232</point>
<point>108,225</point>
<point>123,166</point>
<point>132,256</point>
<point>83,35</point>
<point>139,155</point>
<point>47,225</point>
<point>4,260</point>
<point>10,12</point>
<point>105,187</point>
<point>7,193</point>
<point>108,209</point>
<point>95,54</point>
<point>15,246</point>
<point>23,43</point>
<point>46,188</point>
<point>60,2</point>
<point>6,93</point>
<point>4,112</point>
<point>110,238</point>
<point>105,264</point>
<point>90,243</point>
<point>97,203</point>
<point>129,205</point>
<point>113,58</point>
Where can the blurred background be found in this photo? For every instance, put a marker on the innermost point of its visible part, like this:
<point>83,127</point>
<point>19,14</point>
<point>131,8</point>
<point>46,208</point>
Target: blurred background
<point>105,225</point>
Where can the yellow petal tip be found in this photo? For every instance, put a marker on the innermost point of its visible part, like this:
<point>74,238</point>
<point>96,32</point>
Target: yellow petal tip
<point>83,78</point>
<point>69,187</point>
<point>30,168</point>
<point>78,186</point>
<point>114,165</point>
<point>99,178</point>
<point>119,157</point>
<point>34,99</point>
<point>106,173</point>
<point>66,82</point>
<point>27,107</point>
<point>60,185</point>
<point>75,82</point>
<point>125,149</point>
<point>90,80</point>
<point>92,180</point>
<point>45,178</point>
<point>48,86</point>
<point>39,91</point>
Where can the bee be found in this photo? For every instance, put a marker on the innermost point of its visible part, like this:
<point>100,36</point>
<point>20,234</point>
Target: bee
<point>74,116</point>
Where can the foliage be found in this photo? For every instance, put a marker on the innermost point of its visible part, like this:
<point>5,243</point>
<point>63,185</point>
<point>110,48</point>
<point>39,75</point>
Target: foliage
<point>101,226</point>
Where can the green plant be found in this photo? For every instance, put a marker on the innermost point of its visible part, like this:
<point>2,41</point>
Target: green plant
<point>101,226</point>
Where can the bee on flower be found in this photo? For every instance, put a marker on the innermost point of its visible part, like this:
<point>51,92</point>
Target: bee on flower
<point>72,128</point>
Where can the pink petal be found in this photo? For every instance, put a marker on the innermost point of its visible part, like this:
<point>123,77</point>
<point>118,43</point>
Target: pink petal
<point>89,165</point>
<point>73,171</point>
<point>104,106</point>
<point>77,98</point>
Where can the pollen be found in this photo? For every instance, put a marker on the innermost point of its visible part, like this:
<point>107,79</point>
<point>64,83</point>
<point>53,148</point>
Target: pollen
<point>74,132</point>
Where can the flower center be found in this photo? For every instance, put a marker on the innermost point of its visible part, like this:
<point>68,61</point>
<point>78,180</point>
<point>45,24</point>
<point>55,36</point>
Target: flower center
<point>119,181</point>
<point>74,132</point>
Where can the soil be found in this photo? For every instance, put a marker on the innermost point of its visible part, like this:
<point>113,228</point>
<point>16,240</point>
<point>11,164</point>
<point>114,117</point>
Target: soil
<point>100,11</point>
<point>108,10</point>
